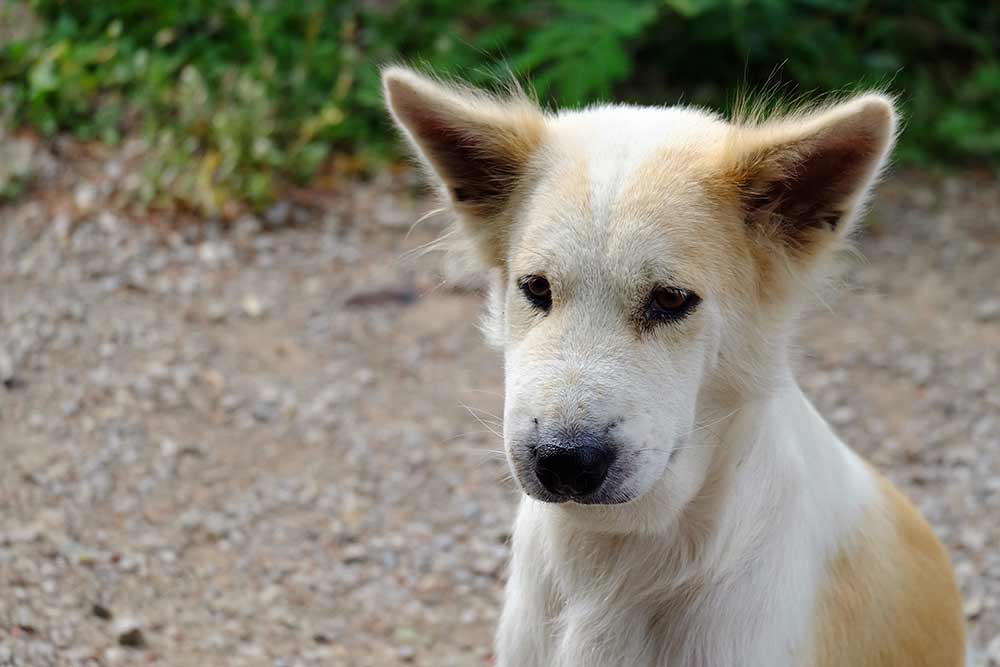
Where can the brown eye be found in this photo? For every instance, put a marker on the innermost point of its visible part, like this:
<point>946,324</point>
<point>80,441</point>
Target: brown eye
<point>670,303</point>
<point>537,290</point>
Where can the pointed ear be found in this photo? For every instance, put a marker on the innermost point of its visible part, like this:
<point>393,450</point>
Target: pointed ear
<point>803,180</point>
<point>478,146</point>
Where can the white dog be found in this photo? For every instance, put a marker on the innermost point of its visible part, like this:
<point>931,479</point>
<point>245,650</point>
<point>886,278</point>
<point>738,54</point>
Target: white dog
<point>684,504</point>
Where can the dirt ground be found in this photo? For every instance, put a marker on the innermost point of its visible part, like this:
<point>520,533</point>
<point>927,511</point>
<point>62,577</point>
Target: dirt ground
<point>272,444</point>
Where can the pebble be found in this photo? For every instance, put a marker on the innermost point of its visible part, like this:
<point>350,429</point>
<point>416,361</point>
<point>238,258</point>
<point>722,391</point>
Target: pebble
<point>128,632</point>
<point>169,447</point>
<point>85,196</point>
<point>6,367</point>
<point>101,612</point>
<point>354,553</point>
<point>988,311</point>
<point>973,606</point>
<point>253,306</point>
<point>264,410</point>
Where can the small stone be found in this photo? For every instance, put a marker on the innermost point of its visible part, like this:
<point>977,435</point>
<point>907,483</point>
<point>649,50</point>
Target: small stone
<point>108,222</point>
<point>85,195</point>
<point>973,606</point>
<point>265,411</point>
<point>114,655</point>
<point>485,566</point>
<point>246,227</point>
<point>129,633</point>
<point>216,311</point>
<point>988,311</point>
<point>6,368</point>
<point>168,448</point>
<point>130,564</point>
<point>843,415</point>
<point>407,653</point>
<point>253,306</point>
<point>974,540</point>
<point>278,214</point>
<point>101,612</point>
<point>24,534</point>
<point>354,553</point>
<point>215,252</point>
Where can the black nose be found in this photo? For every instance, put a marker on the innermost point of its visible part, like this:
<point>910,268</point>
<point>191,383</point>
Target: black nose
<point>572,471</point>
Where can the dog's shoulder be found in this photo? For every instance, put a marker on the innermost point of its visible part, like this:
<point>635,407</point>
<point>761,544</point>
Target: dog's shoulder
<point>890,597</point>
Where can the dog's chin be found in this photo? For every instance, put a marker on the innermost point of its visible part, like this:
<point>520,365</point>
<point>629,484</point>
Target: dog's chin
<point>599,497</point>
<point>604,499</point>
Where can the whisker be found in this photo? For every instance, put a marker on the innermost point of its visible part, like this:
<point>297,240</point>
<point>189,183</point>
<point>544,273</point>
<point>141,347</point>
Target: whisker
<point>490,454</point>
<point>464,435</point>
<point>425,248</point>
<point>481,421</point>
<point>425,216</point>
<point>699,427</point>
<point>485,391</point>
<point>434,289</point>
<point>696,445</point>
<point>483,411</point>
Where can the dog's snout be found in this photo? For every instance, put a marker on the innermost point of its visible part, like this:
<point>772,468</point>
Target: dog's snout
<point>573,470</point>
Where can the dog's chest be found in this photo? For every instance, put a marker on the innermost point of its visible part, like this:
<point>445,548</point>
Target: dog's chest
<point>720,629</point>
<point>619,608</point>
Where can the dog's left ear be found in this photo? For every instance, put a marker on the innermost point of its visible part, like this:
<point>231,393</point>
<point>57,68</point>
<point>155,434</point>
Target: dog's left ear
<point>803,180</point>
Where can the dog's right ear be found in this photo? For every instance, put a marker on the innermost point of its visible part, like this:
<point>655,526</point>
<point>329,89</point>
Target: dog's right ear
<point>479,147</point>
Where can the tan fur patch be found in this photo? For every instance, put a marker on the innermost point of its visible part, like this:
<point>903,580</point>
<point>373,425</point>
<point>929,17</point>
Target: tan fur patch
<point>891,600</point>
<point>673,187</point>
<point>800,179</point>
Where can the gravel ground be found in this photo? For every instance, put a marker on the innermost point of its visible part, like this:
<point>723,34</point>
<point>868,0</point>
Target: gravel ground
<point>250,446</point>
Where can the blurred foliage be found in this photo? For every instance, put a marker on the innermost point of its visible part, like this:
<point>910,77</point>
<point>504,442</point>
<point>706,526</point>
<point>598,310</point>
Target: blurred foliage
<point>236,98</point>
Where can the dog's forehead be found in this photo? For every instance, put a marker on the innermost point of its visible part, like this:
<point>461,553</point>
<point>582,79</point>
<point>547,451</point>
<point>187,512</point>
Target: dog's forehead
<point>622,191</point>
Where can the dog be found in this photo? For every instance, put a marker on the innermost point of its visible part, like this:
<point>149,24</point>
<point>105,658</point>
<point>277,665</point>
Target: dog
<point>684,504</point>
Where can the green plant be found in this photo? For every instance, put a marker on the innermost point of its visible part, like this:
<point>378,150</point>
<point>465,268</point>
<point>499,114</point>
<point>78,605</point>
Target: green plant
<point>236,99</point>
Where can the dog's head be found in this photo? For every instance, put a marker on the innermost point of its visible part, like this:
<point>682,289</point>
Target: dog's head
<point>647,262</point>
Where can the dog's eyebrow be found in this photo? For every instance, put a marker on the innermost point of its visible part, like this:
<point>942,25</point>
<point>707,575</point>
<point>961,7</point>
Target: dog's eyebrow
<point>655,274</point>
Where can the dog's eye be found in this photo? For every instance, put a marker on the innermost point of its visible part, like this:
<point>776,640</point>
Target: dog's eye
<point>537,290</point>
<point>670,303</point>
